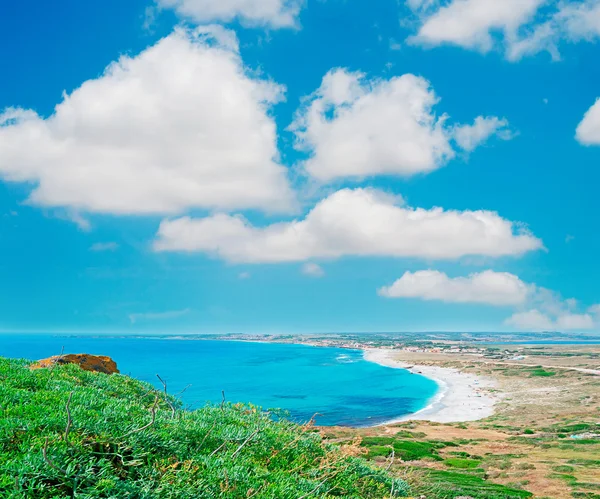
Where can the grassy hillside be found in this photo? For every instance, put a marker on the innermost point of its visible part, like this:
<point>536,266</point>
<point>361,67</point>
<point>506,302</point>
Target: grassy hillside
<point>65,432</point>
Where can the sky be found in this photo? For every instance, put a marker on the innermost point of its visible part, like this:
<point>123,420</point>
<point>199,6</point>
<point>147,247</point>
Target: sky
<point>289,166</point>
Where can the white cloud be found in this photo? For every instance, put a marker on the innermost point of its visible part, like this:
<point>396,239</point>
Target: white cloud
<point>532,320</point>
<point>569,322</point>
<point>313,270</point>
<point>158,316</point>
<point>360,222</point>
<point>181,125</point>
<point>538,309</point>
<point>274,13</point>
<point>244,275</point>
<point>553,319</point>
<point>523,27</point>
<point>571,21</point>
<point>469,137</point>
<point>421,5</point>
<point>470,23</point>
<point>355,127</point>
<point>75,217</point>
<point>489,287</point>
<point>562,314</point>
<point>588,131</point>
<point>110,246</point>
<point>581,19</point>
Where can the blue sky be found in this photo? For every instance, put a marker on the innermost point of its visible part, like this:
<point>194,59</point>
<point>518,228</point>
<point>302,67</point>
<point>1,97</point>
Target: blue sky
<point>286,166</point>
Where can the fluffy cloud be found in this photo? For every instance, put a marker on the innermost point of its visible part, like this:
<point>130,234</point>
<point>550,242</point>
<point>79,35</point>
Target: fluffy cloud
<point>313,270</point>
<point>181,125</point>
<point>594,309</point>
<point>355,127</point>
<point>534,320</point>
<point>469,137</point>
<point>360,222</point>
<point>548,312</point>
<point>274,13</point>
<point>489,287</point>
<point>588,131</point>
<point>522,26</point>
<point>538,309</point>
<point>575,322</point>
<point>470,23</point>
<point>572,21</point>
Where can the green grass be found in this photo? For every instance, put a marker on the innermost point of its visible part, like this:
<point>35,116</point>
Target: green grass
<point>541,373</point>
<point>585,462</point>
<point>563,468</point>
<point>450,484</point>
<point>464,464</point>
<point>569,479</point>
<point>126,440</point>
<point>574,428</point>
<point>406,450</point>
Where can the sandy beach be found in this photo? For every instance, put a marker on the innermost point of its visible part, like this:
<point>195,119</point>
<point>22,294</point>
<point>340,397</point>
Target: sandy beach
<point>462,396</point>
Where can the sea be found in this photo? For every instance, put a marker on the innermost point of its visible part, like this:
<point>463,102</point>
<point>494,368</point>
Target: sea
<point>336,386</point>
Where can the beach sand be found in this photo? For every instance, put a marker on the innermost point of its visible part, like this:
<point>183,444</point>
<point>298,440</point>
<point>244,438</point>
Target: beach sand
<point>461,397</point>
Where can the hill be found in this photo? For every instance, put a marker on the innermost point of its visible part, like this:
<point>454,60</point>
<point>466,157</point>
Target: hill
<point>66,432</point>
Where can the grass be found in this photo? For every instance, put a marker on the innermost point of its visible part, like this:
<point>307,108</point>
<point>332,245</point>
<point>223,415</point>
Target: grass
<point>465,478</point>
<point>406,450</point>
<point>541,373</point>
<point>585,462</point>
<point>65,432</point>
<point>451,484</point>
<point>464,464</point>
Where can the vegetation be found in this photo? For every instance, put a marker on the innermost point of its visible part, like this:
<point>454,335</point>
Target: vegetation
<point>450,484</point>
<point>65,432</point>
<point>542,373</point>
<point>464,464</point>
<point>406,450</point>
<point>469,480</point>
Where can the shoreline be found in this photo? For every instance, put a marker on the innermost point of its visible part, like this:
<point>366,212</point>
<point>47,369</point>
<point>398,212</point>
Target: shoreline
<point>462,397</point>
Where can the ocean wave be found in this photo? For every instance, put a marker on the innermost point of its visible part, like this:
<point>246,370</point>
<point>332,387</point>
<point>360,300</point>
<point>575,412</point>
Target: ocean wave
<point>345,359</point>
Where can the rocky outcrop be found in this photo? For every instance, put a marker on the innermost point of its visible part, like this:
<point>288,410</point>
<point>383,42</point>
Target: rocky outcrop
<point>96,363</point>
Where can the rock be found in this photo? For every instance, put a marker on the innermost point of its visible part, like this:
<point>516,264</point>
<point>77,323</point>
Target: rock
<point>95,363</point>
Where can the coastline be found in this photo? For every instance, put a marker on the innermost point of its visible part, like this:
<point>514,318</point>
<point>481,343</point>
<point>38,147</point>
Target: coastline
<point>462,397</point>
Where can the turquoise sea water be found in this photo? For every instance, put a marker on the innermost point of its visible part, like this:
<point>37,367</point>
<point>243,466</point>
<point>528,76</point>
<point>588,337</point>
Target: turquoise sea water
<point>336,383</point>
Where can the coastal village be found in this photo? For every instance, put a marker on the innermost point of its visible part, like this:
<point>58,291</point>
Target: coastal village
<point>423,346</point>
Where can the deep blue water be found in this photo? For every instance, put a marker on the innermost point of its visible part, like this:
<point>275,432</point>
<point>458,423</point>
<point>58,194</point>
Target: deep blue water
<point>336,383</point>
